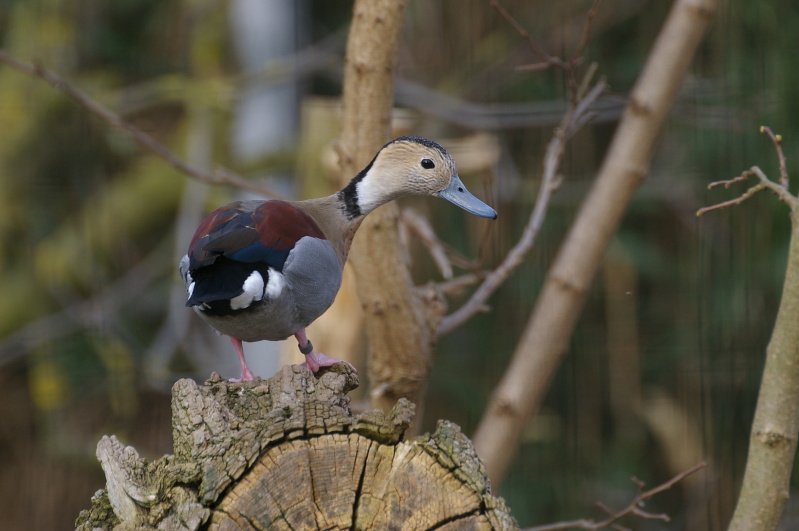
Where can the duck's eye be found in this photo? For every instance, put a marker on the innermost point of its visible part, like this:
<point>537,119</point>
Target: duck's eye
<point>428,164</point>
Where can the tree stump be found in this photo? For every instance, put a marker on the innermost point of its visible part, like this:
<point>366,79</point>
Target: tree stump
<point>287,453</point>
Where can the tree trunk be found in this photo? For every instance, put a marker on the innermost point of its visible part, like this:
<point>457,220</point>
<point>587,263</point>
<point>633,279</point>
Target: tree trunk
<point>286,453</point>
<point>772,444</point>
<point>397,327</point>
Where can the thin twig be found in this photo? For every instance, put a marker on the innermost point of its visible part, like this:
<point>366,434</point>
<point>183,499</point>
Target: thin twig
<point>142,138</point>
<point>578,53</point>
<point>420,226</point>
<point>673,481</point>
<point>548,60</point>
<point>765,183</point>
<point>456,285</point>
<point>635,507</point>
<point>585,84</point>
<point>576,116</point>
<point>549,184</point>
<point>532,67</point>
<point>777,139</point>
<point>732,202</point>
<point>780,189</point>
<point>729,182</point>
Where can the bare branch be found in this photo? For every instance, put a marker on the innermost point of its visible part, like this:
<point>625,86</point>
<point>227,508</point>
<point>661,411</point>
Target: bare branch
<point>583,97</point>
<point>673,481</point>
<point>578,53</point>
<point>635,507</point>
<point>547,60</point>
<point>737,201</point>
<point>779,189</point>
<point>533,67</point>
<point>142,138</point>
<point>550,181</point>
<point>777,139</point>
<point>729,182</point>
<point>458,284</point>
<point>564,292</point>
<point>421,227</point>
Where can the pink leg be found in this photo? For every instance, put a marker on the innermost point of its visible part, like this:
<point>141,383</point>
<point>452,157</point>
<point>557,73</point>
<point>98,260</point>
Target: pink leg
<point>316,360</point>
<point>246,373</point>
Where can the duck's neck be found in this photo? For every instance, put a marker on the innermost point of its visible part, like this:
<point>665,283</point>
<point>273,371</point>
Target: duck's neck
<point>365,192</point>
<point>335,220</point>
<point>339,215</point>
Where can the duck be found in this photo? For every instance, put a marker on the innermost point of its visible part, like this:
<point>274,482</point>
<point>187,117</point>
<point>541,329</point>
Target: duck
<point>265,270</point>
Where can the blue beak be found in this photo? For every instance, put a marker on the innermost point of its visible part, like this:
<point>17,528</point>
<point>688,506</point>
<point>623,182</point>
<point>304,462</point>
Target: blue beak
<point>457,194</point>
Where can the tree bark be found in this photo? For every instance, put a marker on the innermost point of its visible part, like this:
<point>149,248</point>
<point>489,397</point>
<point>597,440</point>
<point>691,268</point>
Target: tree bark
<point>286,453</point>
<point>399,333</point>
<point>544,340</point>
<point>772,445</point>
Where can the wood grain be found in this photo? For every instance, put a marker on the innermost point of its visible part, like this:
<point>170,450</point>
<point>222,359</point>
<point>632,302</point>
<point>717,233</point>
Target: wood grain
<point>287,453</point>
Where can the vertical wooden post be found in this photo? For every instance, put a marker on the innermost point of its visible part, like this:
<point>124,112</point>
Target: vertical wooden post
<point>400,338</point>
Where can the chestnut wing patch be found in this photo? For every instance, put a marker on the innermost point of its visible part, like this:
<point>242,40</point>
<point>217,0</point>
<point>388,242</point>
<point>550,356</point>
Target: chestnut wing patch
<point>265,235</point>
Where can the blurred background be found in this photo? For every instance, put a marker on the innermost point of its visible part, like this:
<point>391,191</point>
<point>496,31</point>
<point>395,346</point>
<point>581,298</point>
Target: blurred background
<point>664,366</point>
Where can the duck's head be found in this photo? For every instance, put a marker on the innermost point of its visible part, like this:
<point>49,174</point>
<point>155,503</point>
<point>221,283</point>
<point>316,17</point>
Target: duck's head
<point>411,165</point>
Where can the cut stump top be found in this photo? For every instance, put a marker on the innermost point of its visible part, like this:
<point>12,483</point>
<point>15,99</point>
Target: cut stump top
<point>287,453</point>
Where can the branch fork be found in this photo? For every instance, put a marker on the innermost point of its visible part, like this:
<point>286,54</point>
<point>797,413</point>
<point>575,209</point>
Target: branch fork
<point>779,188</point>
<point>635,507</point>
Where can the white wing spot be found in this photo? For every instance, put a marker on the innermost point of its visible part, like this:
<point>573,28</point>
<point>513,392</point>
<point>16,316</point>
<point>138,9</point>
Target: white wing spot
<point>253,291</point>
<point>275,285</point>
<point>190,289</point>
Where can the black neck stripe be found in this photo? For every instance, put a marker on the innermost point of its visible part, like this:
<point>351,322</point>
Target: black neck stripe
<point>349,194</point>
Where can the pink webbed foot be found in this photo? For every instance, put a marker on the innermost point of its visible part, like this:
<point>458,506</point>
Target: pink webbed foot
<point>246,373</point>
<point>316,360</point>
<point>245,377</point>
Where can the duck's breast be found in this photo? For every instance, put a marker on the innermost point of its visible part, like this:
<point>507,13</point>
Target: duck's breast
<point>313,275</point>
